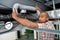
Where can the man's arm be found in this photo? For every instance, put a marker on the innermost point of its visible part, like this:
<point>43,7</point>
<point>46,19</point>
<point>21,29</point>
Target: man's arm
<point>23,21</point>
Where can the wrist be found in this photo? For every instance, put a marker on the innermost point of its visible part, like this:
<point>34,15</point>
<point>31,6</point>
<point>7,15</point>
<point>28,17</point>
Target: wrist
<point>14,17</point>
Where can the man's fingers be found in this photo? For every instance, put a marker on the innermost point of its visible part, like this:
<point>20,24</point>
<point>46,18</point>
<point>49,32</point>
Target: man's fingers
<point>38,8</point>
<point>14,10</point>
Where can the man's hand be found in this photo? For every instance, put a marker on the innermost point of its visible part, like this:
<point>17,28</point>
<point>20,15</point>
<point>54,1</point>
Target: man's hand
<point>14,14</point>
<point>38,8</point>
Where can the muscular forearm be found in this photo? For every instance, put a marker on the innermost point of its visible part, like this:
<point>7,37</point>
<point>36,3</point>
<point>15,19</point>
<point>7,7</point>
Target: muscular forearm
<point>26,22</point>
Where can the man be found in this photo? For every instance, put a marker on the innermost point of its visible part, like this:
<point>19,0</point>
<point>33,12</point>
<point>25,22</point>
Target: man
<point>43,23</point>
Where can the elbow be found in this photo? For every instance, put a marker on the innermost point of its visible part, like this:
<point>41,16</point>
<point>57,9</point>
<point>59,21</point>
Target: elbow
<point>33,27</point>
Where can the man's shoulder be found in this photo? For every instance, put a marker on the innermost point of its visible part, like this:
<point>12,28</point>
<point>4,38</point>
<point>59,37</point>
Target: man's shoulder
<point>50,22</point>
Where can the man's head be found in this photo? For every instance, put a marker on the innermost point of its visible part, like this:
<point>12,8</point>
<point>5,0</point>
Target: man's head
<point>43,17</point>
